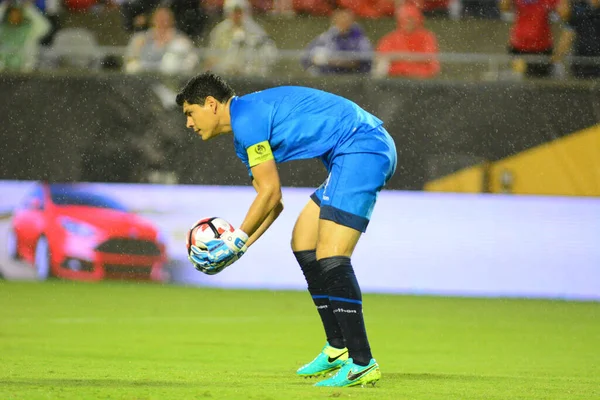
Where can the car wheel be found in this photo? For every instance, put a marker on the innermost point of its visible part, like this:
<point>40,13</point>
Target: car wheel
<point>12,248</point>
<point>42,258</point>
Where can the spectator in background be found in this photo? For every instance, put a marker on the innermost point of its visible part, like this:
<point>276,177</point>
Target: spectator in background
<point>190,16</point>
<point>581,34</point>
<point>162,48</point>
<point>325,54</point>
<point>239,46</point>
<point>310,7</point>
<point>51,10</point>
<point>22,26</point>
<point>409,37</point>
<point>369,8</point>
<point>531,34</point>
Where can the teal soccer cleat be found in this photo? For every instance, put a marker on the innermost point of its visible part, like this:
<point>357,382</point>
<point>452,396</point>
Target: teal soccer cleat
<point>328,360</point>
<point>352,375</point>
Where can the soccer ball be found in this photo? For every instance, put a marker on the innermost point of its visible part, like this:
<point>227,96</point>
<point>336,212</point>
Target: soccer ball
<point>205,230</point>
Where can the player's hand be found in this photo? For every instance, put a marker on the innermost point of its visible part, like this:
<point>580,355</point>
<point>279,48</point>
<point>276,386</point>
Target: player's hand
<point>201,261</point>
<point>220,253</point>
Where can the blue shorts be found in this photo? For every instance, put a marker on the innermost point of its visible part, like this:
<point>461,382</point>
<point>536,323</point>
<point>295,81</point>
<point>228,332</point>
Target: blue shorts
<point>357,173</point>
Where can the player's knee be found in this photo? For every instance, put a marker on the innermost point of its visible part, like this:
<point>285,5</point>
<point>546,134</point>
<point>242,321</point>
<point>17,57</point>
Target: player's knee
<point>304,236</point>
<point>326,251</point>
<point>302,243</point>
<point>335,239</point>
<point>305,257</point>
<point>335,247</point>
<point>295,245</point>
<point>338,277</point>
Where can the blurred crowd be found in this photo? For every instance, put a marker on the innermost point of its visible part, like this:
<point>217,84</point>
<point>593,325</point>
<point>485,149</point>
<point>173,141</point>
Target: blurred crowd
<point>164,36</point>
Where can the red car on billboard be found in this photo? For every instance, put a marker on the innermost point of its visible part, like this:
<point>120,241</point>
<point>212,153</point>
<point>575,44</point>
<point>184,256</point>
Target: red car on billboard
<point>70,232</point>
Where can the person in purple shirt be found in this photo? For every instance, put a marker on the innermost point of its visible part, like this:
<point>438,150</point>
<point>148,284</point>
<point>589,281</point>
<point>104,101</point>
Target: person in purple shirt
<point>325,54</point>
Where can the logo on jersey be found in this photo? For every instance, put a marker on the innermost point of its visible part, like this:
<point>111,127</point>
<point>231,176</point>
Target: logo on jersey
<point>260,149</point>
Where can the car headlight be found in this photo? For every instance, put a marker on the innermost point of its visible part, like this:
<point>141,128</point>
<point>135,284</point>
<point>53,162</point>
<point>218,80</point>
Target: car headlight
<point>76,227</point>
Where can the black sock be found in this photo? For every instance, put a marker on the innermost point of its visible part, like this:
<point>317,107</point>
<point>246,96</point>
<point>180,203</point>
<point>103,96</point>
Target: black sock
<point>346,300</point>
<point>312,272</point>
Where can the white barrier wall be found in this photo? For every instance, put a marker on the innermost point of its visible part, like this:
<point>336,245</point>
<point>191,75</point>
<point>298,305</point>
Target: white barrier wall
<point>417,242</point>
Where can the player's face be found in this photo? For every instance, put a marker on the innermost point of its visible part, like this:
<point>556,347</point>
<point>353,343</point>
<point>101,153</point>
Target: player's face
<point>202,119</point>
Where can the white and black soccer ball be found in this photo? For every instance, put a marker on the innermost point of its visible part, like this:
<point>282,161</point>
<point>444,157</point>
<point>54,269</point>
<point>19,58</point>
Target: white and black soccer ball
<point>205,230</point>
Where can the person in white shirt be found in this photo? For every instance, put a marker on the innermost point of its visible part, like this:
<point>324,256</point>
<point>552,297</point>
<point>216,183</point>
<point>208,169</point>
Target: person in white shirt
<point>162,48</point>
<point>238,45</point>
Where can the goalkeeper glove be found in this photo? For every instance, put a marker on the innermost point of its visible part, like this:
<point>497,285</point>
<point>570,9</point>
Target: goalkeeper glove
<point>220,253</point>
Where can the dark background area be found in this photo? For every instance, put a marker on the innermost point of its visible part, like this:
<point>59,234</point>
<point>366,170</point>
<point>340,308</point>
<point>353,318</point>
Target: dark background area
<point>115,128</point>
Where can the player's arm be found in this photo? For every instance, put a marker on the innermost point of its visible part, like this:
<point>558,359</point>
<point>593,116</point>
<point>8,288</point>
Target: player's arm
<point>268,198</point>
<point>264,210</point>
<point>267,222</point>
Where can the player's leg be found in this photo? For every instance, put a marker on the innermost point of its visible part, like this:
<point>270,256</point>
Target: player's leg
<point>304,235</point>
<point>334,250</point>
<point>348,201</point>
<point>335,239</point>
<point>304,243</point>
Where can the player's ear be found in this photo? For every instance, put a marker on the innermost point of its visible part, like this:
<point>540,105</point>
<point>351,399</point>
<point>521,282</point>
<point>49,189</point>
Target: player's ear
<point>212,103</point>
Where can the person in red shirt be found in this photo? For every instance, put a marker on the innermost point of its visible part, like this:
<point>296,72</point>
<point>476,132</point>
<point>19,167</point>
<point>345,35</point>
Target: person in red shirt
<point>531,33</point>
<point>410,36</point>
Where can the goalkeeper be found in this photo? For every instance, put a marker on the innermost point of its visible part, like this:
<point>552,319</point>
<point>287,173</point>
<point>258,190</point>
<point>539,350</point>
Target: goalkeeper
<point>289,123</point>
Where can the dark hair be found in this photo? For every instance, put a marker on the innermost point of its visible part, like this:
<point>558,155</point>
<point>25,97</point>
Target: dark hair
<point>201,86</point>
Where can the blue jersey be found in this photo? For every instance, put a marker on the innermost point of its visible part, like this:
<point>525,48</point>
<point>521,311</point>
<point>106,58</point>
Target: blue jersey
<point>297,123</point>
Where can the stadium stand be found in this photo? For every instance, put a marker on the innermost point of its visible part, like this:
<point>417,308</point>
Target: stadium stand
<point>470,48</point>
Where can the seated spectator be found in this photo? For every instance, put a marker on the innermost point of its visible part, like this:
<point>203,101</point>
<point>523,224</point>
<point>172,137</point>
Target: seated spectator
<point>369,8</point>
<point>581,35</point>
<point>21,29</point>
<point>325,54</point>
<point>238,45</point>
<point>409,37</point>
<point>190,16</point>
<point>161,48</point>
<point>531,33</point>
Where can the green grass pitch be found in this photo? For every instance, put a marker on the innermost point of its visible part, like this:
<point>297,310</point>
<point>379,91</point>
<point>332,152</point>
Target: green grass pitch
<point>63,340</point>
